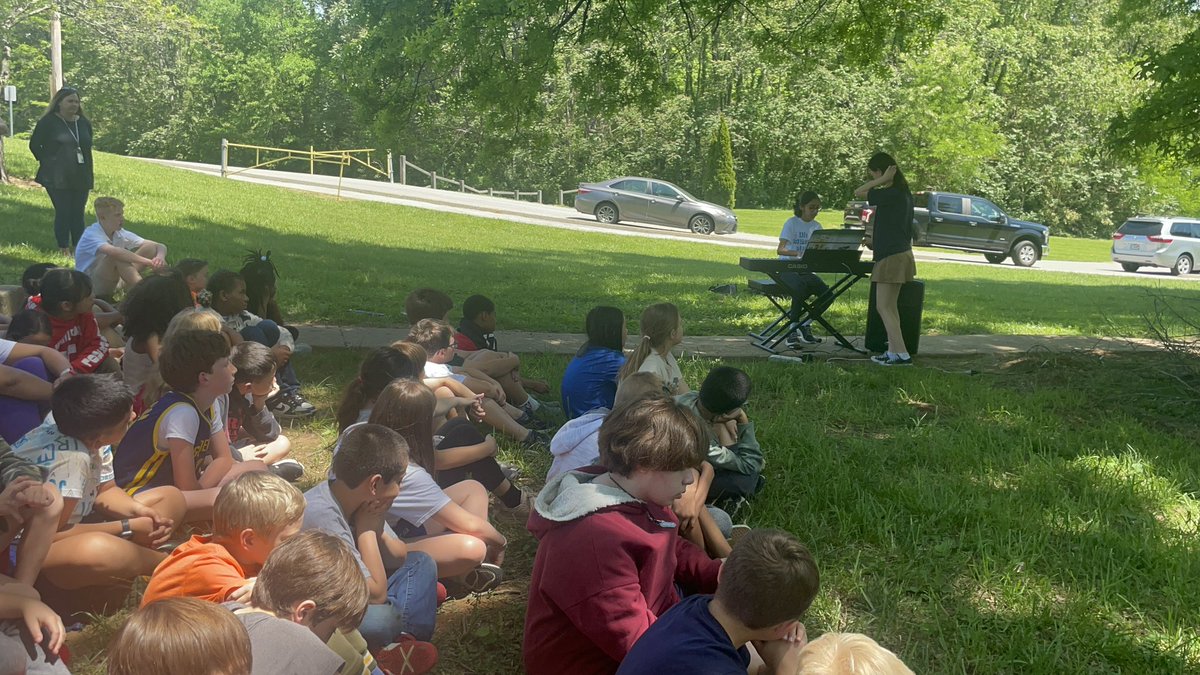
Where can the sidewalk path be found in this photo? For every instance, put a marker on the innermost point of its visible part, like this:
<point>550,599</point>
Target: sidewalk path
<point>739,346</point>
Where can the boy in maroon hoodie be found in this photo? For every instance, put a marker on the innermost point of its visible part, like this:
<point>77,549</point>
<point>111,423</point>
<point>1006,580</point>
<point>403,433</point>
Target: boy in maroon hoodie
<point>609,553</point>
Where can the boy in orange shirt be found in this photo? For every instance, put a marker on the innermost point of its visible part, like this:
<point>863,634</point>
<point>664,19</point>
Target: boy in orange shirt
<point>252,514</point>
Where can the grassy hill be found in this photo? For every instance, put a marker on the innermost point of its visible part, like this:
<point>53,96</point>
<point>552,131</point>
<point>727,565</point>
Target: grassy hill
<point>339,256</point>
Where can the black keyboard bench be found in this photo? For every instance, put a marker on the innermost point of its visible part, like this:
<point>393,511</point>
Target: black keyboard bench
<point>767,287</point>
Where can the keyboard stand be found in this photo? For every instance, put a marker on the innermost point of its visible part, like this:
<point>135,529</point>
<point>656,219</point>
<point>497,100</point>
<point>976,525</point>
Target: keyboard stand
<point>780,292</point>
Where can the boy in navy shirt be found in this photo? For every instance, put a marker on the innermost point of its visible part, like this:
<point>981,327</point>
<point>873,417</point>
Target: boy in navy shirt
<point>764,588</point>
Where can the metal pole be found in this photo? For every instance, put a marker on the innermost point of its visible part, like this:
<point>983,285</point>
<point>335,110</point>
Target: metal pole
<point>390,178</point>
<point>462,187</point>
<point>224,156</point>
<point>433,179</point>
<point>403,170</point>
<point>539,196</point>
<point>312,167</point>
<point>490,192</point>
<point>560,198</point>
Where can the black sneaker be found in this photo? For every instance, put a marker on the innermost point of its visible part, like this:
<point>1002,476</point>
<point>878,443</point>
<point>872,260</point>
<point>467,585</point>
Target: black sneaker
<point>803,335</point>
<point>537,438</point>
<point>530,422</point>
<point>287,469</point>
<point>290,404</point>
<point>891,360</point>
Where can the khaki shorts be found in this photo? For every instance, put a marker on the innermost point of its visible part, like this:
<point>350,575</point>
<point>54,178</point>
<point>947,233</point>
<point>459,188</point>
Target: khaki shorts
<point>898,268</point>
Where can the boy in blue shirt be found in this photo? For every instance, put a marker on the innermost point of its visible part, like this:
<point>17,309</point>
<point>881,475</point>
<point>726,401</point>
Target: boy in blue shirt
<point>763,589</point>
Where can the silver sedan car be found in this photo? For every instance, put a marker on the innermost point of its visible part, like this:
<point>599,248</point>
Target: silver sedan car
<point>646,200</point>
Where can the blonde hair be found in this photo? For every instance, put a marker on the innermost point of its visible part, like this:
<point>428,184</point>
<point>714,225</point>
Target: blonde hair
<point>107,205</point>
<point>193,318</point>
<point>637,387</point>
<point>658,323</point>
<point>181,636</point>
<point>317,566</point>
<point>190,318</point>
<point>849,654</point>
<point>258,501</point>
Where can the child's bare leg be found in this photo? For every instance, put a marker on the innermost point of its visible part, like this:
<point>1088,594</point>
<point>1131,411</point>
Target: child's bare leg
<point>499,419</point>
<point>471,496</point>
<point>40,528</point>
<point>199,504</point>
<point>713,542</point>
<point>97,559</point>
<point>168,501</point>
<point>455,554</point>
<point>240,468</point>
<point>269,453</point>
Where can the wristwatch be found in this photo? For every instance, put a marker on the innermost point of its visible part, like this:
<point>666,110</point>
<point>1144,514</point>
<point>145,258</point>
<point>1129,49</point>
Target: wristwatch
<point>126,530</point>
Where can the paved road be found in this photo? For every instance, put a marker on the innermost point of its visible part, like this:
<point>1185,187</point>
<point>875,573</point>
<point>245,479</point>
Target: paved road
<point>567,218</point>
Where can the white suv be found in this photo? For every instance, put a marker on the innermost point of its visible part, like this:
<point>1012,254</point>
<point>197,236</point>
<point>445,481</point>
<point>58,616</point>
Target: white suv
<point>1153,241</point>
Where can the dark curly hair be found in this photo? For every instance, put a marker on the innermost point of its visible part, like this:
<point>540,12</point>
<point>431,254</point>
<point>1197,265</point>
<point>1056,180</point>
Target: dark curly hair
<point>260,275</point>
<point>151,304</point>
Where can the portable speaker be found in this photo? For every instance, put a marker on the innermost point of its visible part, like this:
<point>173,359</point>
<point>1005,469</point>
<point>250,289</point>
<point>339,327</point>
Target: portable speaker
<point>910,305</point>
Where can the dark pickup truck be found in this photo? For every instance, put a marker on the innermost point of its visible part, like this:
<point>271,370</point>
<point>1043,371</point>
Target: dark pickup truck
<point>965,223</point>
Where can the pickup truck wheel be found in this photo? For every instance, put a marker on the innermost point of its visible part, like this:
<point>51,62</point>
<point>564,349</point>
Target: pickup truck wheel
<point>995,258</point>
<point>1024,253</point>
<point>1183,265</point>
<point>1130,267</point>
<point>701,224</point>
<point>606,212</point>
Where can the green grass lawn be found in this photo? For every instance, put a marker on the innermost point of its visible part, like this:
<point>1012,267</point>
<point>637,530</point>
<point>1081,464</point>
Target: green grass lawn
<point>1033,515</point>
<point>769,222</point>
<point>338,256</point>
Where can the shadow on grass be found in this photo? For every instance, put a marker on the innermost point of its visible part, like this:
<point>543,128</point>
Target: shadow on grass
<point>976,526</point>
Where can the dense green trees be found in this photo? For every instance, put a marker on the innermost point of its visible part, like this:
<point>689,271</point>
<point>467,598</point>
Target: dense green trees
<point>1070,112</point>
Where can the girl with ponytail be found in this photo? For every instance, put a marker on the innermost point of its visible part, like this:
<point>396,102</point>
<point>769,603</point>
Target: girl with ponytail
<point>662,330</point>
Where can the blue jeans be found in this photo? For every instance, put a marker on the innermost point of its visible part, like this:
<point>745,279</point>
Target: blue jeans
<point>411,607</point>
<point>266,332</point>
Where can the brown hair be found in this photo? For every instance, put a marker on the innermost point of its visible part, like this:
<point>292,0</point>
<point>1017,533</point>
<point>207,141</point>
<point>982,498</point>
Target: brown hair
<point>317,566</point>
<point>259,501</point>
<point>657,434</point>
<point>181,636</point>
<point>406,407</point>
<point>188,354</point>
<point>431,335</point>
<point>427,303</point>
<point>379,368</point>
<point>769,578</point>
<point>848,654</point>
<point>657,324</point>
<point>367,450</point>
<point>415,353</point>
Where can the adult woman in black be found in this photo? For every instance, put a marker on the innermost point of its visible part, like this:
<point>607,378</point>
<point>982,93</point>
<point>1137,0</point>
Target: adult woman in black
<point>891,241</point>
<point>62,144</point>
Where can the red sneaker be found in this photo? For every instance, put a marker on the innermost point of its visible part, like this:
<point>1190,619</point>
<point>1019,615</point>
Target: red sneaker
<point>407,656</point>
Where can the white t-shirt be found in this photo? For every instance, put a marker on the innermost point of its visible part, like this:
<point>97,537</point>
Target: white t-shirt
<point>667,370</point>
<point>181,421</point>
<point>440,370</point>
<point>87,251</point>
<point>796,233</point>
<point>73,469</point>
<point>420,496</point>
<point>6,347</point>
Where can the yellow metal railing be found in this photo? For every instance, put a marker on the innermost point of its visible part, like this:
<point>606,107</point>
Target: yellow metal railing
<point>340,158</point>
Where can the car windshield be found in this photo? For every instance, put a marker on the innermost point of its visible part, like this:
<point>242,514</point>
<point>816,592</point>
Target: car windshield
<point>1141,228</point>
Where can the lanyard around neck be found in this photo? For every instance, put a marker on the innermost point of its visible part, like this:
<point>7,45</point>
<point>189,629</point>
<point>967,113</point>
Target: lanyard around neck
<point>75,133</point>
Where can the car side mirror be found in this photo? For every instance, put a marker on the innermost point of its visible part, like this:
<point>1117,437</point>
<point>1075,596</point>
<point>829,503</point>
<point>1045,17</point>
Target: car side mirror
<point>1000,219</point>
<point>678,198</point>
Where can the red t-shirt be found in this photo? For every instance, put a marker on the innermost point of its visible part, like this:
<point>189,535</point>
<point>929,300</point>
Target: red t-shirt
<point>79,339</point>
